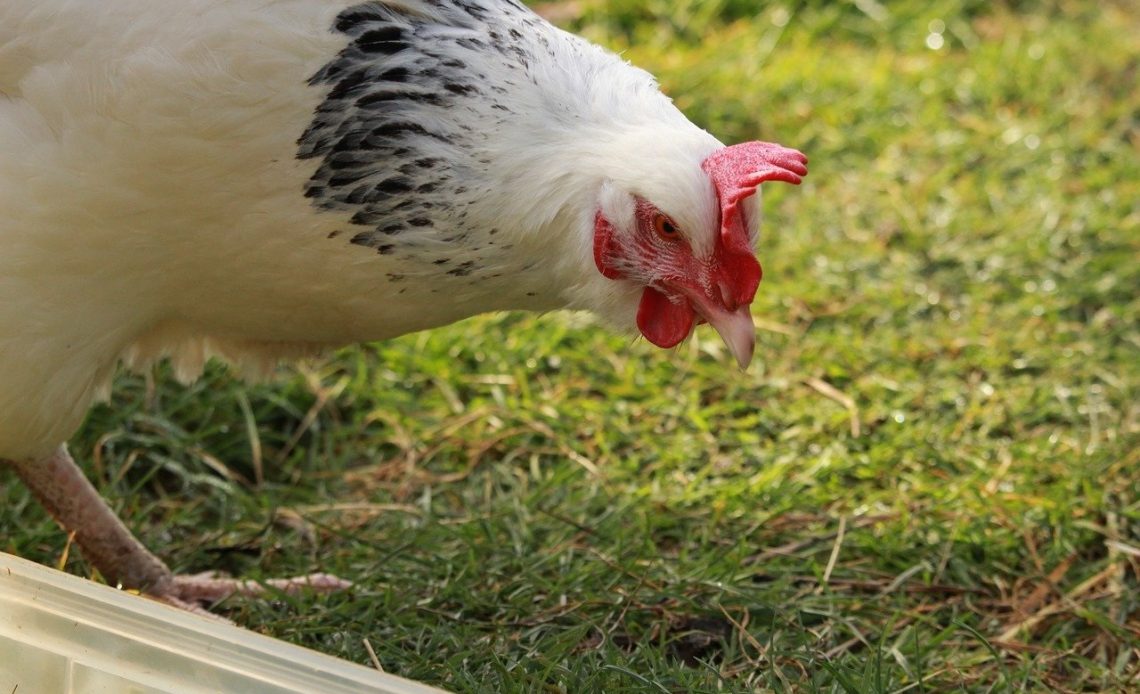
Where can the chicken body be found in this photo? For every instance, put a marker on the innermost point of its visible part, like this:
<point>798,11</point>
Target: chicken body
<point>154,202</point>
<point>259,179</point>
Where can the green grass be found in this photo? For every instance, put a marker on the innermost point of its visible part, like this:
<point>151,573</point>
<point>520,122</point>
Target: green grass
<point>928,481</point>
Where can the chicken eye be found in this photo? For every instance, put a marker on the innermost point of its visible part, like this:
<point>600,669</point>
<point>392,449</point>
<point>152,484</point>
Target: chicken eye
<point>664,226</point>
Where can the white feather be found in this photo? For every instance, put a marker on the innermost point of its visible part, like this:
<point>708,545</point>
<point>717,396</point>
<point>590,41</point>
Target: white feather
<point>151,198</point>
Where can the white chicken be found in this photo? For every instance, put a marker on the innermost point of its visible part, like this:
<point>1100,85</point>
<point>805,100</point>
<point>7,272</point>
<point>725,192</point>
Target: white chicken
<point>262,179</point>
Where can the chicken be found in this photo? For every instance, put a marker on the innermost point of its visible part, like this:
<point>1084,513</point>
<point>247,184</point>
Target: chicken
<point>263,179</point>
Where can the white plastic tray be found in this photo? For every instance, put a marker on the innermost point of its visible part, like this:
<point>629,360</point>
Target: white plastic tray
<point>60,634</point>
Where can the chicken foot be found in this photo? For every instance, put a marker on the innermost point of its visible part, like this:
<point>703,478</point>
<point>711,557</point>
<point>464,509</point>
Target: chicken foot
<point>60,486</point>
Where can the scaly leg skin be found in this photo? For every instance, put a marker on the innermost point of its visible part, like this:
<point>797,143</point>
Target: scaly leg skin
<point>60,486</point>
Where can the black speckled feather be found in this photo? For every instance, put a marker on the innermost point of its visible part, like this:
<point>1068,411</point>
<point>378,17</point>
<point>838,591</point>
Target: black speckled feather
<point>399,133</point>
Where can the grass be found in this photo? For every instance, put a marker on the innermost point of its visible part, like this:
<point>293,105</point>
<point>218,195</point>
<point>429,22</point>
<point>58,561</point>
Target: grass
<point>928,481</point>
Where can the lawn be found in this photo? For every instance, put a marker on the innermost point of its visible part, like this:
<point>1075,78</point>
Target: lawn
<point>929,479</point>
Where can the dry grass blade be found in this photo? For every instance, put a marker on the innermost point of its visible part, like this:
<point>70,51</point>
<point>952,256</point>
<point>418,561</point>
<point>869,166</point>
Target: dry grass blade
<point>1033,601</point>
<point>324,396</point>
<point>829,391</point>
<point>831,560</point>
<point>1065,603</point>
<point>372,655</point>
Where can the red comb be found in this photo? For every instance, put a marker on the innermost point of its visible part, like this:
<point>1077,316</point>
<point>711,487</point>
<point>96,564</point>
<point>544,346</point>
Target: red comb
<point>738,170</point>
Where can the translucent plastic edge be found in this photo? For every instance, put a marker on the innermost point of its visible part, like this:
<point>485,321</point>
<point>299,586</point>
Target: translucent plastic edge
<point>193,636</point>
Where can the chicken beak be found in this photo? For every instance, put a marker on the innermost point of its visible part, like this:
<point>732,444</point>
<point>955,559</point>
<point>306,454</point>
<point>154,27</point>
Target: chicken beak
<point>737,331</point>
<point>734,325</point>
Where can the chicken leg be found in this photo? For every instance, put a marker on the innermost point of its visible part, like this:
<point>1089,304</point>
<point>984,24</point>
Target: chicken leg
<point>60,486</point>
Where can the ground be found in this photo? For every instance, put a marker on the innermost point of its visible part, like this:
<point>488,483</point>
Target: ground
<point>927,481</point>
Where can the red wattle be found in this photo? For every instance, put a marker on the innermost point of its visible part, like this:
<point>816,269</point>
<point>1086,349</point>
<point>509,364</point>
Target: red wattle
<point>663,322</point>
